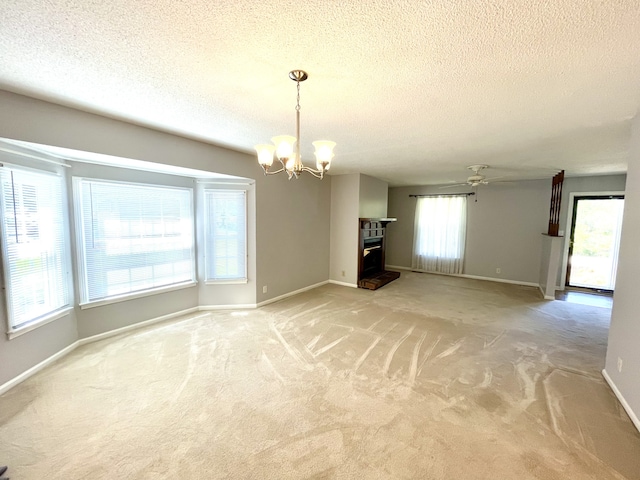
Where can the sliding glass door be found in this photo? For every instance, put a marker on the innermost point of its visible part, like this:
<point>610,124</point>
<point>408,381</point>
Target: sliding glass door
<point>594,242</point>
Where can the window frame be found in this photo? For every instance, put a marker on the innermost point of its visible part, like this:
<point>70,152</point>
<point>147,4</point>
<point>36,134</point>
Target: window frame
<point>13,331</point>
<point>82,282</point>
<point>208,245</point>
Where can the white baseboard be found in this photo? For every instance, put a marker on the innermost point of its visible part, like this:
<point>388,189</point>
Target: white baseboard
<point>500,280</point>
<point>83,341</point>
<point>206,308</point>
<point>112,333</point>
<point>36,368</point>
<point>627,408</point>
<point>135,326</point>
<point>464,275</point>
<point>291,294</point>
<point>343,284</point>
<point>546,297</point>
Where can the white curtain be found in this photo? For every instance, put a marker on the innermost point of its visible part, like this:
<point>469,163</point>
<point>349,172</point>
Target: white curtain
<point>440,233</point>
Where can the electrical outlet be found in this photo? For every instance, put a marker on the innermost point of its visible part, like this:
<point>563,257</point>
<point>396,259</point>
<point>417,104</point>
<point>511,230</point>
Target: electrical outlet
<point>264,289</point>
<point>619,365</point>
<point>343,273</point>
<point>498,270</point>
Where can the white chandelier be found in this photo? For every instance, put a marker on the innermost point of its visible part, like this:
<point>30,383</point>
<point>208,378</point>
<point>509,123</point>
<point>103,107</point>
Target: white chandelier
<point>284,146</point>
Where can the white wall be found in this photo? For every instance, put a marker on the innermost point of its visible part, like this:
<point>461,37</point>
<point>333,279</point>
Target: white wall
<point>345,199</point>
<point>292,220</point>
<point>624,333</point>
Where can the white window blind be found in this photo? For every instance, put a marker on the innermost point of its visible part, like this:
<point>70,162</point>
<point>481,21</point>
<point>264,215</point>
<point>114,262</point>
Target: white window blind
<point>133,238</point>
<point>34,250</point>
<point>226,235</point>
<point>440,233</point>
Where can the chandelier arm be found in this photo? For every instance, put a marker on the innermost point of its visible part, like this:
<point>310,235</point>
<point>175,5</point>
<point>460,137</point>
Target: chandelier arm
<point>274,172</point>
<point>314,172</point>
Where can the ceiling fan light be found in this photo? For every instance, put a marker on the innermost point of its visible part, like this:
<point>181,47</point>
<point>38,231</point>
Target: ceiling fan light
<point>265,154</point>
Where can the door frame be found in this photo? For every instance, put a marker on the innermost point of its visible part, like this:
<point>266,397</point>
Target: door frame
<point>568,226</point>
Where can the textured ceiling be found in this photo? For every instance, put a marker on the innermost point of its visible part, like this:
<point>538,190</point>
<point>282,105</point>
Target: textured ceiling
<point>412,91</point>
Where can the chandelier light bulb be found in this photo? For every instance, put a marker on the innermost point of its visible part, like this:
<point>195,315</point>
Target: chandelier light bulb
<point>284,146</point>
<point>265,154</point>
<point>290,163</point>
<point>324,153</point>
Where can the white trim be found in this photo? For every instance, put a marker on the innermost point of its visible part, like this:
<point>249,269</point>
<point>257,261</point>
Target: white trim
<point>227,282</point>
<point>205,308</point>
<point>343,284</point>
<point>36,368</point>
<point>499,280</point>
<point>131,296</point>
<point>34,157</point>
<point>101,336</point>
<point>135,326</point>
<point>567,233</point>
<point>221,182</point>
<point>291,294</point>
<point>627,408</point>
<point>546,297</point>
<point>472,277</point>
<point>11,334</point>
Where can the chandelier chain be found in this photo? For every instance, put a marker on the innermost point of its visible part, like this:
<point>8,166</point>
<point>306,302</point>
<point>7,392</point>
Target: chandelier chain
<point>298,99</point>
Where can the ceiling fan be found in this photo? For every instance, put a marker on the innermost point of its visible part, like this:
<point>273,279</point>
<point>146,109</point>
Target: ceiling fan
<point>476,179</point>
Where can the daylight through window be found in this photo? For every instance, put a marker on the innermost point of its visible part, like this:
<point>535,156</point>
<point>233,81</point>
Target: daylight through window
<point>440,234</point>
<point>226,235</point>
<point>133,238</point>
<point>34,246</point>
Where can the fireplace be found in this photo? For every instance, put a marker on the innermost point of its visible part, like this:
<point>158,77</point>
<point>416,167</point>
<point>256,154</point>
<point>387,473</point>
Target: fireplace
<point>372,257</point>
<point>371,272</point>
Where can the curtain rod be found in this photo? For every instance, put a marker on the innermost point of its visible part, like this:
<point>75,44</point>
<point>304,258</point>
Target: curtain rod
<point>444,195</point>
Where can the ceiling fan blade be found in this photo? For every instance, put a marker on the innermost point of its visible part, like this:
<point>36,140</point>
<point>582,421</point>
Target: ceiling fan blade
<point>493,178</point>
<point>455,185</point>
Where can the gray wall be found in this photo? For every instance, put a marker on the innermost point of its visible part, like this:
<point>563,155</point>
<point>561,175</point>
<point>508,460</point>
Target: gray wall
<point>345,198</point>
<point>353,196</point>
<point>292,219</point>
<point>624,333</point>
<point>504,225</point>
<point>373,197</point>
<point>504,228</point>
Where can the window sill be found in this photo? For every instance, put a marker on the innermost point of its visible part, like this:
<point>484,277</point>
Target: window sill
<point>43,321</point>
<point>240,281</point>
<point>132,296</point>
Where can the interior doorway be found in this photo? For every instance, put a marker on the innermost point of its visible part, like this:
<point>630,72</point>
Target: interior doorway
<point>594,242</point>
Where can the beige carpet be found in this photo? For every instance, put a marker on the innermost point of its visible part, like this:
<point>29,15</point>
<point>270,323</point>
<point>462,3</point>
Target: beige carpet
<point>430,377</point>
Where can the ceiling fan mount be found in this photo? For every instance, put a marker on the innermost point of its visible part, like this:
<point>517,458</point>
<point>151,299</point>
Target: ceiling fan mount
<point>477,178</point>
